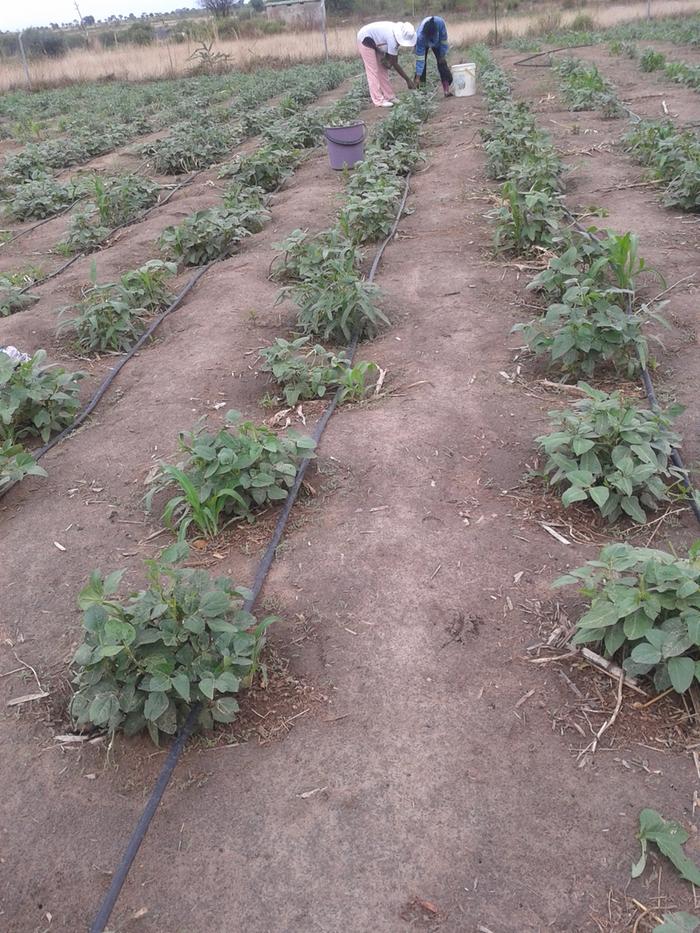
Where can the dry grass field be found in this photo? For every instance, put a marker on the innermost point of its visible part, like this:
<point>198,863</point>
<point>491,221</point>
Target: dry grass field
<point>166,60</point>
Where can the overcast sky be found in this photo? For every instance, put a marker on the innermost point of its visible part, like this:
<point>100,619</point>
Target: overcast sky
<point>42,12</point>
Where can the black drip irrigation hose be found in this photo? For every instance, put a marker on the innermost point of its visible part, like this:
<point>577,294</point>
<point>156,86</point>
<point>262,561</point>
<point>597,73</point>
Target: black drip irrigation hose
<point>139,832</point>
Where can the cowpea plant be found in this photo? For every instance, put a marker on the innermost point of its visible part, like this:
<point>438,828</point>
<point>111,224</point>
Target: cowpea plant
<point>644,607</point>
<point>148,657</point>
<point>112,316</point>
<point>35,399</point>
<point>611,452</point>
<point>15,464</point>
<point>587,329</point>
<point>308,372</point>
<point>228,475</point>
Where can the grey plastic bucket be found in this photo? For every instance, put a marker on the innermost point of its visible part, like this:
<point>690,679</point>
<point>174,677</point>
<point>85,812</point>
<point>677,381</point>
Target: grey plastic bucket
<point>346,145</point>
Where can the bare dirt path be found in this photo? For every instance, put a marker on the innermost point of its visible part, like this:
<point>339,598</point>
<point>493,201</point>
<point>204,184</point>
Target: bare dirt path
<point>436,767</point>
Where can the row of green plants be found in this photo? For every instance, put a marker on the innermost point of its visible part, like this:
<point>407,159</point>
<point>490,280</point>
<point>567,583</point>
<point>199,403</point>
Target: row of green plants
<point>606,450</point>
<point>216,232</point>
<point>650,60</point>
<point>583,31</point>
<point>673,158</point>
<point>672,155</point>
<point>186,638</point>
<point>583,87</point>
<point>110,317</point>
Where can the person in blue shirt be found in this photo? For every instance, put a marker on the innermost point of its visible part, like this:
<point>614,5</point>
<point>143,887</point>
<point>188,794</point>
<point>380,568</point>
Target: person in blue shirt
<point>432,34</point>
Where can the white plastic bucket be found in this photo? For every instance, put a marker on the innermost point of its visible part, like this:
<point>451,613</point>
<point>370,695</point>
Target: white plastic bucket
<point>464,79</point>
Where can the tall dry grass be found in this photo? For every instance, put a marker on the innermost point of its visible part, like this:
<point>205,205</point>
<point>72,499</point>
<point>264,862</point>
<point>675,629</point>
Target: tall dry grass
<point>166,60</point>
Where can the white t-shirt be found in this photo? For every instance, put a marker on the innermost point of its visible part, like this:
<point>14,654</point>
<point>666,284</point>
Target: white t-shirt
<point>383,35</point>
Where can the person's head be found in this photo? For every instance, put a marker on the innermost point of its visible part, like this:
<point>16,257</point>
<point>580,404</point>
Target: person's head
<point>430,30</point>
<point>405,34</point>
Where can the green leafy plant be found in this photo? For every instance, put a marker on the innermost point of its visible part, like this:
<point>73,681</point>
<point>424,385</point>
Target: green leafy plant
<point>35,399</point>
<point>308,372</point>
<point>669,837</point>
<point>229,474</point>
<point>525,221</point>
<point>265,168</point>
<point>211,234</point>
<point>584,88</point>
<point>122,199</point>
<point>302,255</point>
<point>15,464</point>
<point>112,316</point>
<point>610,451</point>
<point>651,60</point>
<point>147,658</point>
<point>39,198</point>
<point>335,309</point>
<point>85,233</point>
<point>14,298</point>
<point>588,328</point>
<point>674,158</point>
<point>374,192</point>
<point>188,147</point>
<point>644,605</point>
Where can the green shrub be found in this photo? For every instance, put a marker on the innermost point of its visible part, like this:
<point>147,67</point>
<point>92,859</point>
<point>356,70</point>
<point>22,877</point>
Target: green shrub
<point>525,221</point>
<point>308,372</point>
<point>265,168</point>
<point>40,198</point>
<point>211,234</point>
<point>303,255</point>
<point>612,452</point>
<point>15,464</point>
<point>147,658</point>
<point>123,199</point>
<point>229,474</point>
<point>644,606</point>
<point>588,329</point>
<point>35,399</point>
<point>189,147</point>
<point>85,233</point>
<point>584,88</point>
<point>336,309</point>
<point>111,317</point>
<point>13,298</point>
<point>650,60</point>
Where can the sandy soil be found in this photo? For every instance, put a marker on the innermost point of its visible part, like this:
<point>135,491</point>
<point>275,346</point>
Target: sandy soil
<point>432,779</point>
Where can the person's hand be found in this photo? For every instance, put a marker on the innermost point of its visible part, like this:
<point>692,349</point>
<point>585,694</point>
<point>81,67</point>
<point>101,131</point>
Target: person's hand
<point>415,83</point>
<point>411,84</point>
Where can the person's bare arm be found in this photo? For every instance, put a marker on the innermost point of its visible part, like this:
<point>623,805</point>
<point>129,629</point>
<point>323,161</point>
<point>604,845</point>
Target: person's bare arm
<point>393,62</point>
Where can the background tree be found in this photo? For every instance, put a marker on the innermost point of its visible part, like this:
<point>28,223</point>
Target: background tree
<point>218,8</point>
<point>88,21</point>
<point>258,5</point>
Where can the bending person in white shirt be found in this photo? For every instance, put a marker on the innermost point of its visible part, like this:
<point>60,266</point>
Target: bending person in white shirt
<point>378,44</point>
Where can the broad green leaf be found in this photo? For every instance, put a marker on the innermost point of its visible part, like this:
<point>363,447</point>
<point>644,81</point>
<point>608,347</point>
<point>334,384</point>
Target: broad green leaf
<point>601,614</point>
<point>599,494</point>
<point>645,653</point>
<point>681,672</point>
<point>181,683</point>
<point>214,603</point>
<point>677,922</point>
<point>670,837</point>
<point>573,494</point>
<point>156,704</point>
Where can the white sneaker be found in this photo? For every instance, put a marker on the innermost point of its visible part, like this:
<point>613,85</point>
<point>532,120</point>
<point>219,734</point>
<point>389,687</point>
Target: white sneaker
<point>386,103</point>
